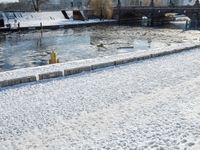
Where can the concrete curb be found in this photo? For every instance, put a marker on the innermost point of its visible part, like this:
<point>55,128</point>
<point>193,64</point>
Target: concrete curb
<point>18,81</point>
<point>50,75</point>
<point>76,70</point>
<point>92,66</point>
<point>102,65</point>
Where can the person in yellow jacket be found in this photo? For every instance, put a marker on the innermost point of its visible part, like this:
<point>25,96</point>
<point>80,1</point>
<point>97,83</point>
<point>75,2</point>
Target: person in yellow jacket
<point>53,59</point>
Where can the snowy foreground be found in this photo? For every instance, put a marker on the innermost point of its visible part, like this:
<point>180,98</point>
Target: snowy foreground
<point>151,104</point>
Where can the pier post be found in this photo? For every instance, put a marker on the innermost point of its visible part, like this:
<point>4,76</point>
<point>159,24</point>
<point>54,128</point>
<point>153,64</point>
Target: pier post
<point>152,3</point>
<point>197,4</point>
<point>18,25</point>
<point>195,20</point>
<point>119,11</point>
<point>195,17</point>
<point>171,4</point>
<point>41,28</point>
<point>152,19</point>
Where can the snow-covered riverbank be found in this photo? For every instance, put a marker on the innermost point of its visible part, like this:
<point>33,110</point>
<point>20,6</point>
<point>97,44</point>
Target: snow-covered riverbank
<point>44,20</point>
<point>152,104</point>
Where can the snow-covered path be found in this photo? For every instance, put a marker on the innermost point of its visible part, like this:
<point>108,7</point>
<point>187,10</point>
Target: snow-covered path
<point>152,104</point>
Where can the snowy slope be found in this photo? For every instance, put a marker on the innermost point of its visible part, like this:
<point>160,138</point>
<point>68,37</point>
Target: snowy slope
<point>35,19</point>
<point>152,104</point>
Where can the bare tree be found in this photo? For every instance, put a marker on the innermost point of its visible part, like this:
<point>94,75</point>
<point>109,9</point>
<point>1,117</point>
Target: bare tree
<point>38,3</point>
<point>102,8</point>
<point>15,7</point>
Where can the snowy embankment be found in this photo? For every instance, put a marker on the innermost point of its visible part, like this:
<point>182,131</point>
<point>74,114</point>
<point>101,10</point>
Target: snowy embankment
<point>19,76</point>
<point>152,104</point>
<point>36,19</point>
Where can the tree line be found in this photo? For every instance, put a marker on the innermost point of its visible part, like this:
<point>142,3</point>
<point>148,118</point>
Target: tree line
<point>33,5</point>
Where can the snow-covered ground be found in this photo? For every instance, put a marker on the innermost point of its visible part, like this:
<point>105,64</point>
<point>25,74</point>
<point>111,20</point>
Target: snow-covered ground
<point>35,19</point>
<point>151,104</point>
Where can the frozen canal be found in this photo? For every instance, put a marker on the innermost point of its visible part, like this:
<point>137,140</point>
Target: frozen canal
<point>28,49</point>
<point>151,104</point>
<point>19,50</point>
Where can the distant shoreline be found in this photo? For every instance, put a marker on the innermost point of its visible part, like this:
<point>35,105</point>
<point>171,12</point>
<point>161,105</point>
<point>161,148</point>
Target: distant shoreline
<point>25,21</point>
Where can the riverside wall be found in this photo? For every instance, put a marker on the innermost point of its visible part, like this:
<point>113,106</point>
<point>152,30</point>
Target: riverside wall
<point>67,69</point>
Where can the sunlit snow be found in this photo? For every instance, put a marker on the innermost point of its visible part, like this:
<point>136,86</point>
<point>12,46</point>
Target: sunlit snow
<point>151,104</point>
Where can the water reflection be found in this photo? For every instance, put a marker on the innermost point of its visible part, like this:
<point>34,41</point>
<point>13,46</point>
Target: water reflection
<point>27,49</point>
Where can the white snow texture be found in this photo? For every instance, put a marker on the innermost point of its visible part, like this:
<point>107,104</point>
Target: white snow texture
<point>150,104</point>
